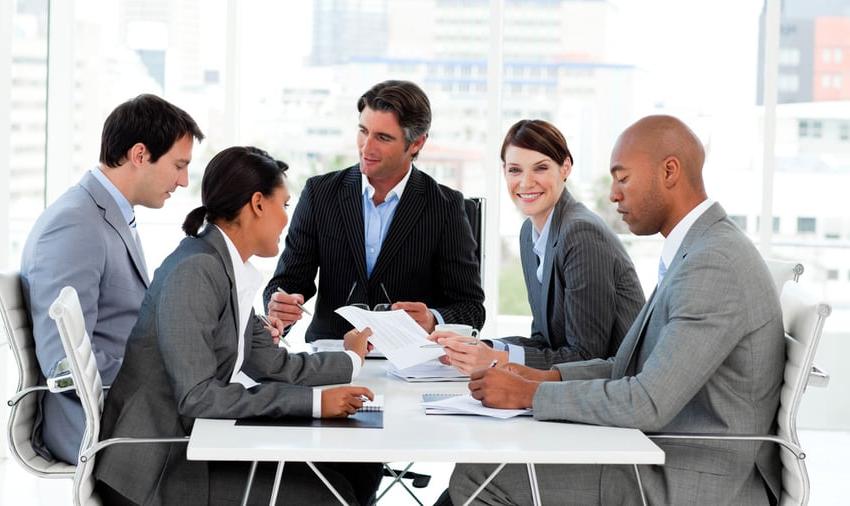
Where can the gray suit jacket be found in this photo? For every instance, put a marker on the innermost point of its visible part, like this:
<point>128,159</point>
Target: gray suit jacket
<point>590,292</point>
<point>81,240</point>
<point>706,354</point>
<point>177,368</point>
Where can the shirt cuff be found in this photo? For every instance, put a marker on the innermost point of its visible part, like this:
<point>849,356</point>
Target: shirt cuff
<point>516,354</point>
<point>317,402</point>
<point>497,345</point>
<point>356,364</point>
<point>438,316</point>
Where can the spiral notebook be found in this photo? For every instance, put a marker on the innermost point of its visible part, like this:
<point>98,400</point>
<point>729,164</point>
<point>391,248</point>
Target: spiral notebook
<point>370,416</point>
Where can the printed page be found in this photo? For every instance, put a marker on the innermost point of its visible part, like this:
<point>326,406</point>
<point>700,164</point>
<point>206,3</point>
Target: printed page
<point>431,370</point>
<point>395,334</point>
<point>467,404</point>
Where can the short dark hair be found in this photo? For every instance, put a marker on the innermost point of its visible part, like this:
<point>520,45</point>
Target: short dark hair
<point>147,119</point>
<point>230,180</point>
<point>409,103</point>
<point>538,135</point>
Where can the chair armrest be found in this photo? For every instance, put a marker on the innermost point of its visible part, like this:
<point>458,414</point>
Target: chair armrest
<point>100,445</point>
<point>23,393</point>
<point>818,377</point>
<point>790,446</point>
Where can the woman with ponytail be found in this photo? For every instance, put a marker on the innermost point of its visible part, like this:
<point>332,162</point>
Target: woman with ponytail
<point>199,351</point>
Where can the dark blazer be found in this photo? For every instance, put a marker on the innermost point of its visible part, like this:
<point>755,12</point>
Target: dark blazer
<point>427,256</point>
<point>81,240</point>
<point>705,355</point>
<point>590,292</point>
<point>177,367</point>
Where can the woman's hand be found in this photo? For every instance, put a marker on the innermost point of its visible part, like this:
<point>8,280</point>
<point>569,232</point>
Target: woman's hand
<point>358,342</point>
<point>339,402</point>
<point>466,353</point>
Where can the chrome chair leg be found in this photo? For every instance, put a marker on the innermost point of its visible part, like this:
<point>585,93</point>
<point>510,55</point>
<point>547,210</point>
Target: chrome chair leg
<point>397,479</point>
<point>484,485</point>
<point>250,482</point>
<point>640,485</point>
<point>327,483</point>
<point>276,487</point>
<point>535,489</point>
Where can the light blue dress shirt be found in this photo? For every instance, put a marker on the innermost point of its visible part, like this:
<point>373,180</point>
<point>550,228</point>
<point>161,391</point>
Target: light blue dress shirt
<point>377,220</point>
<point>516,354</point>
<point>119,198</point>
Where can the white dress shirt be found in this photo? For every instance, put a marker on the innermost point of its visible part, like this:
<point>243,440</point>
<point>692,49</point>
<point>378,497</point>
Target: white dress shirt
<point>677,235</point>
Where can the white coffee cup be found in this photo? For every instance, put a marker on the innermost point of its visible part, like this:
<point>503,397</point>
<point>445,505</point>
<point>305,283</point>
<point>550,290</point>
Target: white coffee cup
<point>457,328</point>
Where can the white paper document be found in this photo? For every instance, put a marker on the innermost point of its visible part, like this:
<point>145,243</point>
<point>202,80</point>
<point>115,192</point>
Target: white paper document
<point>395,334</point>
<point>465,404</point>
<point>337,345</point>
<point>431,370</point>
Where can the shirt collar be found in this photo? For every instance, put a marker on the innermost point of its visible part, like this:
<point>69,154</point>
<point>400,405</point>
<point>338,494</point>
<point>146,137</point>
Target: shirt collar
<point>677,235</point>
<point>123,204</point>
<point>540,239</point>
<point>369,190</point>
<point>247,277</point>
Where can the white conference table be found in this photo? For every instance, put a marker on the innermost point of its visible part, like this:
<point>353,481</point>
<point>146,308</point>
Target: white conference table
<point>410,435</point>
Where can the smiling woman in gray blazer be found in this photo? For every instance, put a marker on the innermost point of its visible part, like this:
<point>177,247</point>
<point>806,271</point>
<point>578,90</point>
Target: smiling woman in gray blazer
<point>582,287</point>
<point>198,350</point>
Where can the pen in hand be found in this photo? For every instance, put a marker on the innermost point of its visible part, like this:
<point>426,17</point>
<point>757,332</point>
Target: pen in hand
<point>494,363</point>
<point>268,324</point>
<point>281,290</point>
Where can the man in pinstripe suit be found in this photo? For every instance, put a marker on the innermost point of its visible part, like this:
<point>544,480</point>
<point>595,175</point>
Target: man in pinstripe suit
<point>380,231</point>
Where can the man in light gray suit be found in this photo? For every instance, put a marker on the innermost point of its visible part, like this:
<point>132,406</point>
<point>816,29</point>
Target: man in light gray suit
<point>705,354</point>
<point>88,239</point>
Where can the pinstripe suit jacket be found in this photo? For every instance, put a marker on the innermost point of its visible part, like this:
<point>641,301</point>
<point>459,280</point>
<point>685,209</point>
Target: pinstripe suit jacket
<point>590,292</point>
<point>427,256</point>
<point>705,355</point>
<point>177,368</point>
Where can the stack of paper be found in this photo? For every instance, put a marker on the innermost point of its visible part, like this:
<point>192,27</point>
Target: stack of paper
<point>432,370</point>
<point>466,405</point>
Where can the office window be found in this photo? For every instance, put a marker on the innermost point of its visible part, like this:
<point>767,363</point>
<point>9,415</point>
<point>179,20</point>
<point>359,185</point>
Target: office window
<point>775,224</point>
<point>832,274</point>
<point>789,56</point>
<point>817,129</point>
<point>803,128</point>
<point>806,225</point>
<point>789,83</point>
<point>826,55</point>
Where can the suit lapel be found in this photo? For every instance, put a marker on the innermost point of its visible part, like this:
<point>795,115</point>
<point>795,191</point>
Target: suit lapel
<point>350,201</point>
<point>407,213</point>
<point>213,236</point>
<point>552,244</point>
<point>113,216</point>
<point>529,271</point>
<point>712,215</point>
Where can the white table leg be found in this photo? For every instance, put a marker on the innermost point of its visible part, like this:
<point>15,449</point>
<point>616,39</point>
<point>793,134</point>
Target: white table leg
<point>277,475</point>
<point>483,485</point>
<point>532,480</point>
<point>250,482</point>
<point>327,484</point>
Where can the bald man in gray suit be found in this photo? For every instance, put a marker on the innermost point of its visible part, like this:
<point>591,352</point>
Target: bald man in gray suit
<point>87,239</point>
<point>705,354</point>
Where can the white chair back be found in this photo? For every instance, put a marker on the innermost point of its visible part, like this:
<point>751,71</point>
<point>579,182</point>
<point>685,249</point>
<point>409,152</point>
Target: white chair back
<point>68,314</point>
<point>16,329</point>
<point>782,271</point>
<point>803,318</point>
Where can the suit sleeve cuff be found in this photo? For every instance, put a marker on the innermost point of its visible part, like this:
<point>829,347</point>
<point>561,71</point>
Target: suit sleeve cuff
<point>516,354</point>
<point>497,345</point>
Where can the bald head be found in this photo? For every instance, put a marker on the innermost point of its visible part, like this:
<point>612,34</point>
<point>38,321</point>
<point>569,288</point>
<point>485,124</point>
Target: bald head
<point>661,136</point>
<point>656,169</point>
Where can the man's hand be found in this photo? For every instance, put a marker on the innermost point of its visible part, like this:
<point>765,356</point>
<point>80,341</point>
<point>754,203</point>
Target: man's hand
<point>532,374</point>
<point>275,326</point>
<point>357,341</point>
<point>284,307</point>
<point>343,401</point>
<point>497,388</point>
<point>465,356</point>
<point>419,312</point>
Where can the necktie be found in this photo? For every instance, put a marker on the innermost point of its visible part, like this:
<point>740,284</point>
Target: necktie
<point>662,270</point>
<point>139,248</point>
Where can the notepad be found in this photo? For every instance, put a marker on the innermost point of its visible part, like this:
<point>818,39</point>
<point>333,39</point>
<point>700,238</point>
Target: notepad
<point>465,404</point>
<point>374,405</point>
